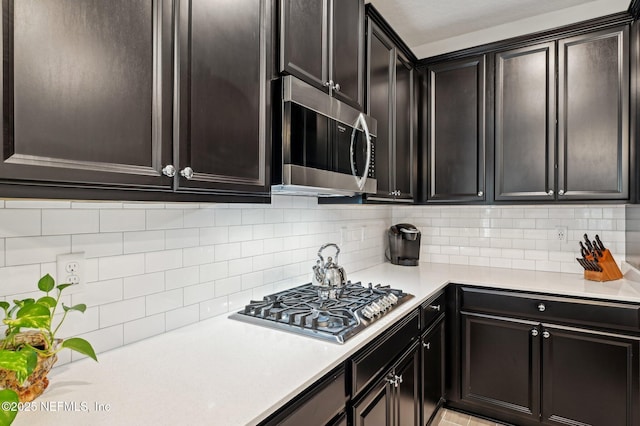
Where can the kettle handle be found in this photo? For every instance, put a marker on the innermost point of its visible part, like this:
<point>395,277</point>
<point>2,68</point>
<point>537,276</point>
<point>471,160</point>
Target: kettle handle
<point>324,246</point>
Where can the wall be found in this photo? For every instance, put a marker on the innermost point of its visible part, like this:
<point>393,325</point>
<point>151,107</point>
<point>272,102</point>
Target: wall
<point>151,268</point>
<point>154,267</point>
<point>518,237</point>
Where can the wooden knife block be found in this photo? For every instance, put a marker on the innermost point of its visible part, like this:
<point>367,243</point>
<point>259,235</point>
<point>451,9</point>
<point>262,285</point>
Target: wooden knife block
<point>610,270</point>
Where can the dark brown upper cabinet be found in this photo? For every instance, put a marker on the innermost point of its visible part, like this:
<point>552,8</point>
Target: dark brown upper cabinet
<point>94,108</point>
<point>391,100</point>
<point>593,116</point>
<point>525,113</point>
<point>456,130</point>
<point>86,94</point>
<point>222,96</point>
<point>590,159</point>
<point>322,43</point>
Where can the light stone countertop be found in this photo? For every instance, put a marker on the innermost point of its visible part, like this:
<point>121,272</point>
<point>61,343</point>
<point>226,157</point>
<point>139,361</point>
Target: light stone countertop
<point>226,372</point>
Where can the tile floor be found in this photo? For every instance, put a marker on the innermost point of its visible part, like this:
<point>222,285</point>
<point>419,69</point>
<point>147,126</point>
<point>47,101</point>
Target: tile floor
<point>453,418</point>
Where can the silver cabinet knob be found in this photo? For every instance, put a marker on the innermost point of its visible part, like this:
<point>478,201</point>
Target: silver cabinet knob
<point>550,193</point>
<point>541,307</point>
<point>546,334</point>
<point>336,87</point>
<point>561,192</point>
<point>435,307</point>
<point>426,345</point>
<point>534,332</point>
<point>328,83</point>
<point>480,193</point>
<point>169,170</point>
<point>186,173</point>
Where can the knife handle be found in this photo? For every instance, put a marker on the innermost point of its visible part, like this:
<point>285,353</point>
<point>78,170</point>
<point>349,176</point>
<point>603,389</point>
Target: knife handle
<point>599,241</point>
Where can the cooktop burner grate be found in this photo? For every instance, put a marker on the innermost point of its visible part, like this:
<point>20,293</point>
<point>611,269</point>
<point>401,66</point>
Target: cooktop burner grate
<point>302,310</point>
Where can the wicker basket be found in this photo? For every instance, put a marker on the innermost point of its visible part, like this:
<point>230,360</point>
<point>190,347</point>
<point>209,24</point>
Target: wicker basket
<point>37,382</point>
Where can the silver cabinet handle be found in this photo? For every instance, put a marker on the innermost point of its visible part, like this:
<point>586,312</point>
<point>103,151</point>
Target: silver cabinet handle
<point>534,332</point>
<point>435,307</point>
<point>427,345</point>
<point>480,193</point>
<point>541,307</point>
<point>546,334</point>
<point>561,192</point>
<point>336,87</point>
<point>186,173</point>
<point>169,170</point>
<point>550,193</point>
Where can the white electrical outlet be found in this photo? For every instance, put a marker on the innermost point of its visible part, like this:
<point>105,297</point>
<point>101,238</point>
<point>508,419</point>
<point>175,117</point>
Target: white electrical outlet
<point>70,268</point>
<point>561,233</point>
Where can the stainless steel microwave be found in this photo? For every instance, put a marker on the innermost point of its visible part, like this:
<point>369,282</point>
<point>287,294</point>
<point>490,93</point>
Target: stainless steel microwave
<point>322,146</point>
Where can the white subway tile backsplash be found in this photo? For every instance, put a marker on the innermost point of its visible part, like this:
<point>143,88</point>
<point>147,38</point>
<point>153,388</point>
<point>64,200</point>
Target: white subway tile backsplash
<point>102,340</point>
<point>121,312</point>
<point>20,223</point>
<point>154,267</point>
<point>120,266</point>
<point>165,301</point>
<point>28,250</point>
<point>198,293</point>
<point>141,285</point>
<point>97,245</point>
<point>180,317</point>
<point>163,260</point>
<point>65,221</point>
<point>99,293</point>
<point>143,328</point>
<point>164,219</point>
<point>77,322</point>
<point>122,220</point>
<point>182,238</point>
<point>143,241</point>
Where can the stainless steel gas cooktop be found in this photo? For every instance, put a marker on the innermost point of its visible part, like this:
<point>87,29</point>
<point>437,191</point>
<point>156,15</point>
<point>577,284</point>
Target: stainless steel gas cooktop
<point>303,310</point>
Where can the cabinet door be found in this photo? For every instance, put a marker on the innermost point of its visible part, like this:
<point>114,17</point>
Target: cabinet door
<point>456,130</point>
<point>404,152</point>
<point>347,47</point>
<point>374,408</point>
<point>501,364</point>
<point>222,95</point>
<point>525,123</point>
<point>303,40</point>
<point>406,410</point>
<point>589,378</point>
<point>87,93</point>
<point>593,116</point>
<point>380,80</point>
<point>433,370</point>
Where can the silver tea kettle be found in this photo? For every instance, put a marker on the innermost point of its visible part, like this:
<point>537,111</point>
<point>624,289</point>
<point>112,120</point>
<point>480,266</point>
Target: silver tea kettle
<point>328,274</point>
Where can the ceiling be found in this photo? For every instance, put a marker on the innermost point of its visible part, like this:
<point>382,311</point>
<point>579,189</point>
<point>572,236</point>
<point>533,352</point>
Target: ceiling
<point>433,27</point>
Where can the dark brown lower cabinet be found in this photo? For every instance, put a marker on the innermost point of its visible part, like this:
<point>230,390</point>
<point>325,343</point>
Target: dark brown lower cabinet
<point>433,358</point>
<point>526,372</point>
<point>395,398</point>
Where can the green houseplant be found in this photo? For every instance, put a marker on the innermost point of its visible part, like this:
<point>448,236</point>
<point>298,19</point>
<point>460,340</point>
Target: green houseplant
<point>29,348</point>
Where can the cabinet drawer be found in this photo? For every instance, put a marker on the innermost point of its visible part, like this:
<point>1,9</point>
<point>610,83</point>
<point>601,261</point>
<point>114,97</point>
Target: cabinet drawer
<point>321,402</point>
<point>372,361</point>
<point>430,310</point>
<point>597,313</point>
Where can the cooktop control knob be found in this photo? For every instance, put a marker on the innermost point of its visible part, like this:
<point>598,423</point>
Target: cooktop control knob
<point>377,309</point>
<point>367,312</point>
<point>393,298</point>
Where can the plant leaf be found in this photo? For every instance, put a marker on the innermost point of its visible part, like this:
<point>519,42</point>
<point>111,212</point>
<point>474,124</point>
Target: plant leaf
<point>63,286</point>
<point>24,302</point>
<point>79,307</point>
<point>46,283</point>
<point>80,345</point>
<point>35,315</point>
<point>4,305</point>
<point>48,301</point>
<point>21,362</point>
<point>8,416</point>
